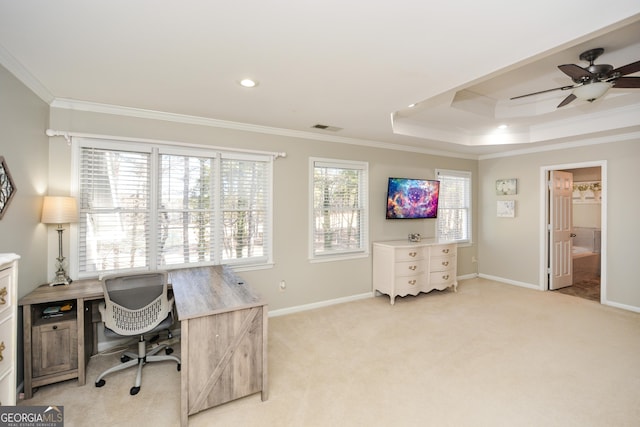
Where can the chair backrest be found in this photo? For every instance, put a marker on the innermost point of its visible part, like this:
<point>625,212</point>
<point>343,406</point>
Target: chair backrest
<point>135,303</point>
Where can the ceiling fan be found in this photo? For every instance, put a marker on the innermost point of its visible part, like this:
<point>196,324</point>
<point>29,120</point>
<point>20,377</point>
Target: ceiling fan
<point>591,82</point>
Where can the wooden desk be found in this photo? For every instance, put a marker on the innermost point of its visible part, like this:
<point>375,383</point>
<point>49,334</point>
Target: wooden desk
<point>223,331</point>
<point>82,291</point>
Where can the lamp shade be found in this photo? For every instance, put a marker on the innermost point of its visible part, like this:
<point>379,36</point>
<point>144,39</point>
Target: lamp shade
<point>591,91</point>
<point>59,210</point>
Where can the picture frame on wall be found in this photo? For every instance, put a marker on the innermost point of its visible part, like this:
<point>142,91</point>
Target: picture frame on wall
<point>507,187</point>
<point>7,187</point>
<point>506,208</point>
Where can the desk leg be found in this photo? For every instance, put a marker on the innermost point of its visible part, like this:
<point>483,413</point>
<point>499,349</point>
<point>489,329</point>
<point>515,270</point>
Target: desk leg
<point>81,359</point>
<point>265,342</point>
<point>26,326</point>
<point>184,373</point>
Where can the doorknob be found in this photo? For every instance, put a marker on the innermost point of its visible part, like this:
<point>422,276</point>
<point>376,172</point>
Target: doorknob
<point>573,235</point>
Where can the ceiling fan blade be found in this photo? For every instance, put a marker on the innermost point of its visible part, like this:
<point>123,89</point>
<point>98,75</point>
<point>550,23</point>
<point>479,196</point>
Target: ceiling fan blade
<point>627,83</point>
<point>567,100</point>
<point>543,91</point>
<point>634,67</point>
<point>576,72</point>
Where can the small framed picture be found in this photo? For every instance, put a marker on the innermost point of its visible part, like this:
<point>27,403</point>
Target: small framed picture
<point>506,208</point>
<point>506,187</point>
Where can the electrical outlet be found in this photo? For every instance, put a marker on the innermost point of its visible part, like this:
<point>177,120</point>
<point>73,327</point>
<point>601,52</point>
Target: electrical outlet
<point>283,285</point>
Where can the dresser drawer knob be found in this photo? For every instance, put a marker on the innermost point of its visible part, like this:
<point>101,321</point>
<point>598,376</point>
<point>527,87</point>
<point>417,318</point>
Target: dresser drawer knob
<point>413,254</point>
<point>55,327</point>
<point>2,347</point>
<point>412,282</point>
<point>445,263</point>
<point>445,251</point>
<point>413,267</point>
<point>3,295</point>
<point>445,277</point>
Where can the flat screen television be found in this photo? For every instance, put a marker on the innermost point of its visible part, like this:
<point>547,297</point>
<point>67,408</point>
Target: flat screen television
<point>412,198</point>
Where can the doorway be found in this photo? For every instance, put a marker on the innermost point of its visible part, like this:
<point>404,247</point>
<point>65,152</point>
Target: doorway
<point>587,256</point>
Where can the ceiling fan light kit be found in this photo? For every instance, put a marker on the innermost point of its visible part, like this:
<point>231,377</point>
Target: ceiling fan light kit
<point>593,81</point>
<point>591,91</point>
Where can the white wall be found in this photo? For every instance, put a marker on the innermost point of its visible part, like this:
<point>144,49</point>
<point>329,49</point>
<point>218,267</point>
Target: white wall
<point>509,248</point>
<point>307,283</point>
<point>23,118</point>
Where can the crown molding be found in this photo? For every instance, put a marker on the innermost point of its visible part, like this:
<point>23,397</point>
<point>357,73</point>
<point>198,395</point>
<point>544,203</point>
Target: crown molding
<point>94,107</point>
<point>21,73</point>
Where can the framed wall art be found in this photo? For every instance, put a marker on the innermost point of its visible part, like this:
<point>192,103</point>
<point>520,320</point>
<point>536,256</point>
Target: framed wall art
<point>506,187</point>
<point>7,187</point>
<point>506,208</point>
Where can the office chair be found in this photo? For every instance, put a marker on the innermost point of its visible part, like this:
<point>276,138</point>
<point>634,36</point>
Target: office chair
<point>135,305</point>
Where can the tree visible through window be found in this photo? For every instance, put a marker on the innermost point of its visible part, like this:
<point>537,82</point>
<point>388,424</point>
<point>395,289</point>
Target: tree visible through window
<point>157,207</point>
<point>339,207</point>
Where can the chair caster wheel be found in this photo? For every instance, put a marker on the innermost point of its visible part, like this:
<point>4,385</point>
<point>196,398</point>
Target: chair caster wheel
<point>124,358</point>
<point>168,351</point>
<point>134,391</point>
<point>100,383</point>
<point>179,366</point>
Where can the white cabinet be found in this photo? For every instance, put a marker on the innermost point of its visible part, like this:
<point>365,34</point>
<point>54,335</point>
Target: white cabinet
<point>402,268</point>
<point>8,327</point>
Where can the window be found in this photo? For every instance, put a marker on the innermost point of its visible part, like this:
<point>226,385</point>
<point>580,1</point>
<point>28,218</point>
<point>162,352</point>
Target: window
<point>339,208</point>
<point>146,207</point>
<point>454,206</point>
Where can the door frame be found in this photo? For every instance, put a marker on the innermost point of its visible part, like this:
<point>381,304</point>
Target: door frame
<point>544,218</point>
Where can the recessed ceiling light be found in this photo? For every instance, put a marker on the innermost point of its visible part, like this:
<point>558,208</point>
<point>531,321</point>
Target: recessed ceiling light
<point>503,127</point>
<point>248,83</point>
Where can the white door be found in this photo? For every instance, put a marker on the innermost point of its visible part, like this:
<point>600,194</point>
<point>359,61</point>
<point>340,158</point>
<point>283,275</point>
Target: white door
<point>560,227</point>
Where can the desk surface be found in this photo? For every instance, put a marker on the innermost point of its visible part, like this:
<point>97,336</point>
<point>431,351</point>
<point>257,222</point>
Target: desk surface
<point>89,289</point>
<point>199,291</point>
<point>203,291</point>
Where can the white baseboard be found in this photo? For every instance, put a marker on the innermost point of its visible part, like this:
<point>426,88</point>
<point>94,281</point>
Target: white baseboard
<point>622,306</point>
<point>509,281</point>
<point>305,307</point>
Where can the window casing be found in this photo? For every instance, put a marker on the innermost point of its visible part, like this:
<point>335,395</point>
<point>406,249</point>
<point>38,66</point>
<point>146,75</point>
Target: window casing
<point>454,206</point>
<point>159,207</point>
<point>338,209</point>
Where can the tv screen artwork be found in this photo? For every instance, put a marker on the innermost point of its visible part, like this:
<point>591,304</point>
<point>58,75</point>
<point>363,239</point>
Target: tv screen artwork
<point>412,198</point>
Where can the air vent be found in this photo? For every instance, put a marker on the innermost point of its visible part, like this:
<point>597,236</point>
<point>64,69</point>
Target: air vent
<point>326,127</point>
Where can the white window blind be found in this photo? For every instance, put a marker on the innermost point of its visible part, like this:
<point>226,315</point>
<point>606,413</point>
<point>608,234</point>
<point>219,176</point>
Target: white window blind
<point>454,206</point>
<point>146,207</point>
<point>339,208</point>
<point>114,210</point>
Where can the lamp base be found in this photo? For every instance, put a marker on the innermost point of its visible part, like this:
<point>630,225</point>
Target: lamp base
<point>61,279</point>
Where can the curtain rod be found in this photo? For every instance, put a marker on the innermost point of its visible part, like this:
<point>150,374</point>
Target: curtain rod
<point>68,135</point>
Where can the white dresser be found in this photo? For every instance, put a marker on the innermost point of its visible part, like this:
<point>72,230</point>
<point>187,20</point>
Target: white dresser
<point>403,268</point>
<point>8,327</point>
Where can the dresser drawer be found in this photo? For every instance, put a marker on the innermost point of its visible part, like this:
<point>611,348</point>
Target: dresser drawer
<point>409,285</point>
<point>442,279</point>
<point>6,293</point>
<point>408,254</point>
<point>444,250</point>
<point>409,268</point>
<point>6,345</point>
<point>442,263</point>
<point>7,389</point>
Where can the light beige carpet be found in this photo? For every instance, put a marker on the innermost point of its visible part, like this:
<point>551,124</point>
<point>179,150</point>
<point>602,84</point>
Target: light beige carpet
<point>489,355</point>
